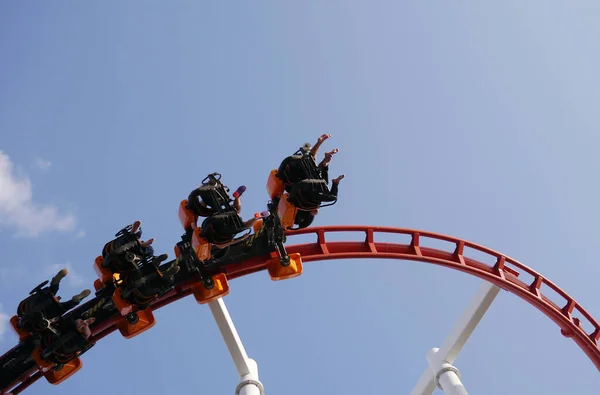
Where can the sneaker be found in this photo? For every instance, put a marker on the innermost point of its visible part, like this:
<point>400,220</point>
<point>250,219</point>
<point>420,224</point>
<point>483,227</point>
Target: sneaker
<point>59,276</point>
<point>147,243</point>
<point>264,214</point>
<point>239,192</point>
<point>84,294</point>
<point>161,258</point>
<point>338,179</point>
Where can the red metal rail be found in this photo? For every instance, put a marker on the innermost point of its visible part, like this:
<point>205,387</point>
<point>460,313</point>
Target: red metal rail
<point>505,272</point>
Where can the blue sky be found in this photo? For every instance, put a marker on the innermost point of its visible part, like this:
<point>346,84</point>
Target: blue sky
<point>474,120</point>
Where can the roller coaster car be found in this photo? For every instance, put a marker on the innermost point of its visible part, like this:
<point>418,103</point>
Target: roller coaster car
<point>210,198</point>
<point>222,228</point>
<point>120,255</point>
<point>298,186</point>
<point>36,312</point>
<point>133,297</point>
<point>222,223</point>
<point>268,239</point>
<point>58,354</point>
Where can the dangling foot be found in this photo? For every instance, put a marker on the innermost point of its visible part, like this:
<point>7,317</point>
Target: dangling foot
<point>338,179</point>
<point>323,137</point>
<point>59,276</point>
<point>84,294</point>
<point>239,192</point>
<point>328,157</point>
<point>264,214</point>
<point>135,227</point>
<point>161,258</point>
<point>147,242</point>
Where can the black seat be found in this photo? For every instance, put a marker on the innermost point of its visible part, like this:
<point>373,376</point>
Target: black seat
<point>222,228</point>
<point>298,167</point>
<point>214,194</point>
<point>309,194</point>
<point>38,308</point>
<point>65,343</point>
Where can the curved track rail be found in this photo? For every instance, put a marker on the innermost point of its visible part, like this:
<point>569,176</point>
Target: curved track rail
<point>506,273</point>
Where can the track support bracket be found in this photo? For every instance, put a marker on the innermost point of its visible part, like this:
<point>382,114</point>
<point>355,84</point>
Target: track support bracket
<point>441,373</point>
<point>247,368</point>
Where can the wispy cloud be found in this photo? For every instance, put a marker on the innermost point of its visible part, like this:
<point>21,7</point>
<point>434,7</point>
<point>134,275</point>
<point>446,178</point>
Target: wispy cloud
<point>74,278</point>
<point>3,322</point>
<point>42,164</point>
<point>18,210</point>
<point>80,234</point>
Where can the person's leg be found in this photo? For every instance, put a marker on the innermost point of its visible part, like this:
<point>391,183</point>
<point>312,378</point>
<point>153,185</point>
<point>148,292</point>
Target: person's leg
<point>325,173</point>
<point>55,282</point>
<point>237,202</point>
<point>335,184</point>
<point>136,229</point>
<point>148,251</point>
<point>316,147</point>
<point>75,300</point>
<point>324,165</point>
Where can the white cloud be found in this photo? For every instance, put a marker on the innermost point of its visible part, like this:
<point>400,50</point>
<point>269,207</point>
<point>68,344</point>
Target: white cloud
<point>73,279</point>
<point>18,210</point>
<point>4,318</point>
<point>42,164</point>
<point>80,234</point>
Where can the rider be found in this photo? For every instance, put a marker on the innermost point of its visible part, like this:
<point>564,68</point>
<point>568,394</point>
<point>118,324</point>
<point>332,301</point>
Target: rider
<point>148,251</point>
<point>75,300</point>
<point>34,307</point>
<point>323,167</point>
<point>304,218</point>
<point>136,229</point>
<point>199,206</point>
<point>83,326</point>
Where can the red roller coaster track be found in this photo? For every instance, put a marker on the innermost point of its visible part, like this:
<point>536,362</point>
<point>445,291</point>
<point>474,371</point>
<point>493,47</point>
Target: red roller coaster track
<point>505,273</point>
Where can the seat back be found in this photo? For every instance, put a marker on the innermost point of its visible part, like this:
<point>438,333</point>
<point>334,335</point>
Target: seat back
<point>286,212</point>
<point>186,216</point>
<point>275,185</point>
<point>215,196</point>
<point>222,228</point>
<point>308,194</point>
<point>40,305</point>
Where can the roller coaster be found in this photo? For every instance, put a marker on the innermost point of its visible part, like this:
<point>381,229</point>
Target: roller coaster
<point>133,283</point>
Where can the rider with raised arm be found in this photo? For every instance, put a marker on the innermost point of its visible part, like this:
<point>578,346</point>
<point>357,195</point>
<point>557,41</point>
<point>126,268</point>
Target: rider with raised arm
<point>83,326</point>
<point>148,251</point>
<point>324,165</point>
<point>75,300</point>
<point>203,208</point>
<point>34,309</point>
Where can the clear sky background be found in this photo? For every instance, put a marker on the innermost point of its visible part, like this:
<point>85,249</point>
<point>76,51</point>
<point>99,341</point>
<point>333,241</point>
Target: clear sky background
<point>475,119</point>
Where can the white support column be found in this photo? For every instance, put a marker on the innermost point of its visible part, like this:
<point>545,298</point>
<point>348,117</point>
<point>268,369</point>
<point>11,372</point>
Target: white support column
<point>440,372</point>
<point>247,368</point>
